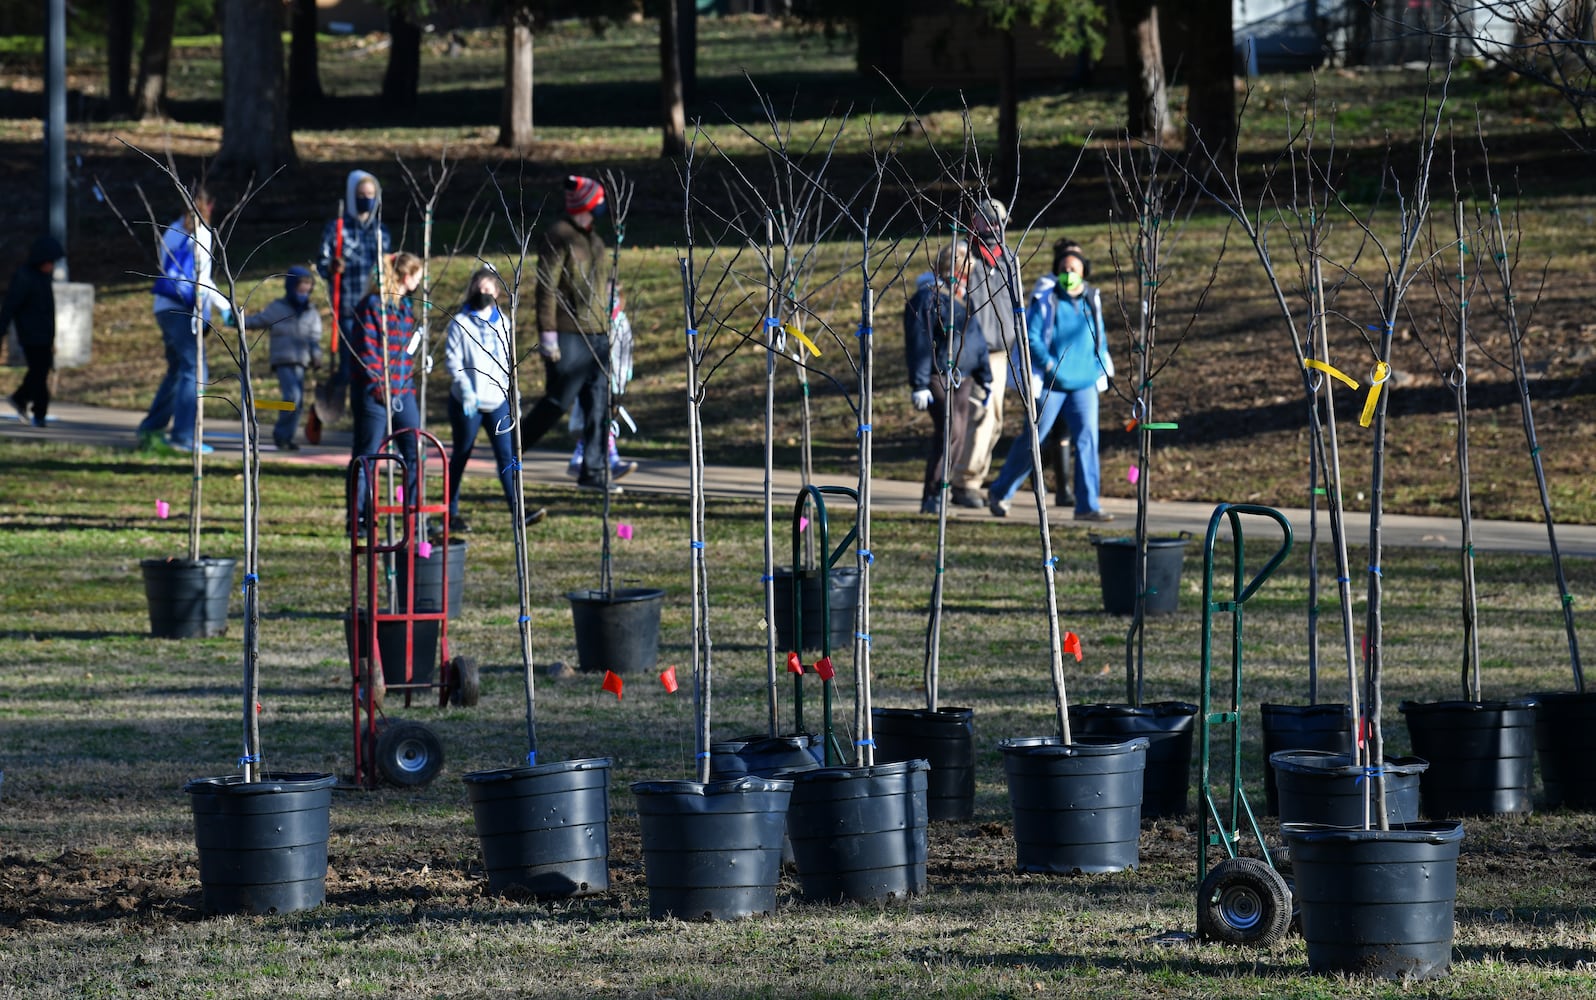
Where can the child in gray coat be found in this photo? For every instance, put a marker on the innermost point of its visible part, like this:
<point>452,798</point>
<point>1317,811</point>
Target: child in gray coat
<point>295,346</point>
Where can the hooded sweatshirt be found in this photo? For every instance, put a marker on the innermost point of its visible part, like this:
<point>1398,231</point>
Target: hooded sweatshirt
<point>477,355</point>
<point>30,301</point>
<point>295,328</point>
<point>363,242</point>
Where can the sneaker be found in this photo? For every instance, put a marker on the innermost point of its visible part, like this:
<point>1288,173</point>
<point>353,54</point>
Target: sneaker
<point>999,508</point>
<point>38,421</point>
<point>620,469</point>
<point>459,525</point>
<point>20,407</point>
<point>155,443</point>
<point>204,449</point>
<point>931,505</point>
<point>574,470</point>
<point>287,446</point>
<point>536,516</point>
<point>1098,516</point>
<point>1065,499</point>
<point>968,498</point>
<point>597,487</point>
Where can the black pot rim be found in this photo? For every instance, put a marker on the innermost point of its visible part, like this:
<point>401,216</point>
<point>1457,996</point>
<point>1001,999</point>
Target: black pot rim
<point>946,712</point>
<point>1460,706</point>
<point>504,774</point>
<point>1436,832</point>
<point>626,595</point>
<point>184,562</point>
<point>1318,708</point>
<point>1049,746</point>
<point>790,739</point>
<point>1561,697</point>
<point>838,774</point>
<point>810,572</point>
<point>743,784</point>
<point>1125,541</point>
<point>1302,762</point>
<point>270,783</point>
<point>1155,709</point>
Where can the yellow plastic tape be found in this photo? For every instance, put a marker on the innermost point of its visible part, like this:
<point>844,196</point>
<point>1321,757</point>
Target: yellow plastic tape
<point>1330,370</point>
<point>808,344</point>
<point>1382,371</point>
<point>274,404</point>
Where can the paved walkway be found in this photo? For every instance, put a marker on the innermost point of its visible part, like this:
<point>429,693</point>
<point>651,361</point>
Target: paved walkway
<point>115,429</point>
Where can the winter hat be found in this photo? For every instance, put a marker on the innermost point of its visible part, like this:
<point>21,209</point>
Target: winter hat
<point>1069,248</point>
<point>990,216</point>
<point>295,275</point>
<point>582,194</point>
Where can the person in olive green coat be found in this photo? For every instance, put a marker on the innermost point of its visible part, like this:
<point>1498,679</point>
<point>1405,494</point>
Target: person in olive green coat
<point>574,331</point>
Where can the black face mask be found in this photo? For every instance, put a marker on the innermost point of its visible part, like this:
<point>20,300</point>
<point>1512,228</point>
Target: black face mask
<point>480,300</point>
<point>364,204</point>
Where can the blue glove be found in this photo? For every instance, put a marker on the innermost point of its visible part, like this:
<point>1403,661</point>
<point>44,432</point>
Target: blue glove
<point>468,403</point>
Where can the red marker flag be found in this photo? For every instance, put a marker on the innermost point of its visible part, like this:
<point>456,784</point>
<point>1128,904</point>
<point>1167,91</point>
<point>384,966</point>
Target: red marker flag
<point>667,677</point>
<point>613,682</point>
<point>1072,644</point>
<point>824,669</point>
<point>793,666</point>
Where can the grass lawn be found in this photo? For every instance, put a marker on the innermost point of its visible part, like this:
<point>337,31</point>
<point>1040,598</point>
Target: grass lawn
<point>101,726</point>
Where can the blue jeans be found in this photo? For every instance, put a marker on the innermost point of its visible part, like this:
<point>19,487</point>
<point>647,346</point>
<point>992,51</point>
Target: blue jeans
<point>176,400</point>
<point>371,426</point>
<point>1079,409</point>
<point>291,380</point>
<point>464,428</point>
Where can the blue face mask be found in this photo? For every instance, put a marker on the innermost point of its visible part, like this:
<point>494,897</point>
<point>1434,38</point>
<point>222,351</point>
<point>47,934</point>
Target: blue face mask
<point>299,300</point>
<point>601,210</point>
<point>364,204</point>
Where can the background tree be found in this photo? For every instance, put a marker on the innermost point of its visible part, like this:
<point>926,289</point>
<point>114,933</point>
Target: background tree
<point>401,81</point>
<point>687,47</point>
<point>515,109</point>
<point>155,58</point>
<point>1146,101</point>
<point>304,69</point>
<point>255,136</point>
<point>1210,78</point>
<point>673,119</point>
<point>119,57</point>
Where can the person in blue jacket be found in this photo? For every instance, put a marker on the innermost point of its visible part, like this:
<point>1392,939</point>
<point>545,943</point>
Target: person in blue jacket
<point>946,354</point>
<point>1070,365</point>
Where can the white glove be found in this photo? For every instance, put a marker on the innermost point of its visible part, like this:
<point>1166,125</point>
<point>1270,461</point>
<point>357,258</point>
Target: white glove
<point>549,345</point>
<point>921,399</point>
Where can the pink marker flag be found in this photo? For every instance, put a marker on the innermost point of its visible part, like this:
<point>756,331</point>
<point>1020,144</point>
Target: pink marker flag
<point>1133,473</point>
<point>399,494</point>
<point>803,522</point>
<point>424,550</point>
<point>161,509</point>
<point>623,532</point>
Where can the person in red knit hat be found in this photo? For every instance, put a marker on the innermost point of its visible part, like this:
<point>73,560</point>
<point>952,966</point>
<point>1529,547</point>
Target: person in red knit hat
<point>574,331</point>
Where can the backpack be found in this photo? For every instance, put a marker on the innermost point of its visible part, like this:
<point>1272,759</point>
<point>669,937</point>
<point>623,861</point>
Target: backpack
<point>178,279</point>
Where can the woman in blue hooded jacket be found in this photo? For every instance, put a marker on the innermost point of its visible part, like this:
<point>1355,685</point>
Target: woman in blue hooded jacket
<point>1070,365</point>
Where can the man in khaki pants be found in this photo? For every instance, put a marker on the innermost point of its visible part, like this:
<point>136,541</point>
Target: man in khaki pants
<point>991,301</point>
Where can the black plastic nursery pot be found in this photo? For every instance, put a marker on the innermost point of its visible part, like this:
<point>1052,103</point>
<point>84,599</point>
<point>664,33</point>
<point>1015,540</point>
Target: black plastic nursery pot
<point>1077,808</point>
<point>844,590</point>
<point>429,579</point>
<point>712,851</point>
<point>1116,569</point>
<point>544,829</point>
<point>765,756</point>
<point>1328,789</point>
<point>945,739</point>
<point>262,844</point>
<point>1377,902</point>
<point>1301,727</point>
<point>618,630</point>
<point>188,597</point>
<point>1481,754</point>
<point>859,833</point>
<point>391,648</point>
<point>1168,728</point>
<point>1565,741</point>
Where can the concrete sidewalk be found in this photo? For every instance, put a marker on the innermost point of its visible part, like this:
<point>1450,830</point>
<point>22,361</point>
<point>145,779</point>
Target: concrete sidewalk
<point>115,430</point>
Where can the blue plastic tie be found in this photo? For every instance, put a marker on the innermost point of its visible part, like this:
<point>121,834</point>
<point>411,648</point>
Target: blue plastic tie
<point>514,466</point>
<point>531,758</point>
<point>862,635</point>
<point>765,578</point>
<point>863,429</point>
<point>249,578</point>
<point>771,322</point>
<point>692,332</point>
<point>1369,772</point>
<point>1051,562</point>
<point>869,557</point>
<point>865,330</point>
<point>864,743</point>
<point>697,544</point>
<point>700,755</point>
<point>1375,570</point>
<point>249,758</point>
<point>524,618</point>
<point>1343,579</point>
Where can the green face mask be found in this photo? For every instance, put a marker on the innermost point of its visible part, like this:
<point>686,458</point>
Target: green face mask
<point>1073,282</point>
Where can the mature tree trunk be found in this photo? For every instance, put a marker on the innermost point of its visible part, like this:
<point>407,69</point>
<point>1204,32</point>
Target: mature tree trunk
<point>687,47</point>
<point>880,25</point>
<point>1210,82</point>
<point>304,70</point>
<point>255,136</point>
<point>1006,164</point>
<point>515,110</point>
<point>119,57</point>
<point>149,100</point>
<point>673,122</point>
<point>402,80</point>
<point>1147,104</point>
<point>1361,35</point>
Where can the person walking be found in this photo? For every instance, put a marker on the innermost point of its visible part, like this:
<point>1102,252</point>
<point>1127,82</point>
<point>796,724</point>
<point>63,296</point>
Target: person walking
<point>1070,365</point>
<point>946,357</point>
<point>477,357</point>
<point>620,375</point>
<point>295,345</point>
<point>351,246</point>
<point>30,304</point>
<point>994,292</point>
<point>573,322</point>
<point>184,299</point>
<point>383,386</point>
